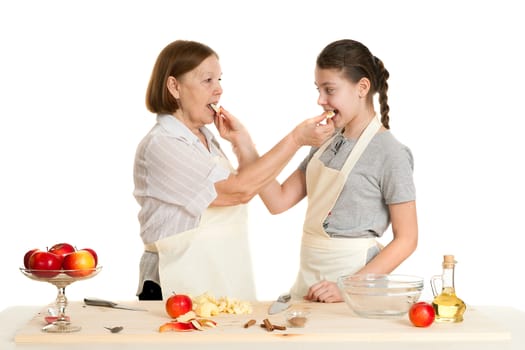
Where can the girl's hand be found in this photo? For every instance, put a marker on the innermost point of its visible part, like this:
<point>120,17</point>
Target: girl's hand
<point>324,292</point>
<point>312,133</point>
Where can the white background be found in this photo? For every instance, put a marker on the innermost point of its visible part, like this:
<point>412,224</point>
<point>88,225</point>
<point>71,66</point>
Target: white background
<point>73,76</point>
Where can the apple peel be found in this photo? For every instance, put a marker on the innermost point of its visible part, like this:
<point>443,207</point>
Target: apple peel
<point>177,327</point>
<point>191,325</point>
<point>51,319</point>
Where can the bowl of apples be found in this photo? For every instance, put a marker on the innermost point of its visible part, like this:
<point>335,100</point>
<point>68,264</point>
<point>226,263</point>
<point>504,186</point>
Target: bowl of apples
<point>60,265</point>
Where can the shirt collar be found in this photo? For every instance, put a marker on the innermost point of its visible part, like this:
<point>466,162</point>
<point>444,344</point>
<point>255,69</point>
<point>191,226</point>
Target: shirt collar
<point>179,130</point>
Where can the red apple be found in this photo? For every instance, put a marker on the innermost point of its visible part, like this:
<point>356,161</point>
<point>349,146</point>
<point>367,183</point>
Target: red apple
<point>28,255</point>
<point>79,263</point>
<point>421,314</point>
<point>92,251</point>
<point>45,264</point>
<point>178,304</point>
<point>61,249</point>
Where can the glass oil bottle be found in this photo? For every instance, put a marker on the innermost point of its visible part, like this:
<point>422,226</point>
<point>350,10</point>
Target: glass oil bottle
<point>447,306</point>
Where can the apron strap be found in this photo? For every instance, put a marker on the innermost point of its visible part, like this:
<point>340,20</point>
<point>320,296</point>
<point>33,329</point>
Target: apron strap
<point>361,145</point>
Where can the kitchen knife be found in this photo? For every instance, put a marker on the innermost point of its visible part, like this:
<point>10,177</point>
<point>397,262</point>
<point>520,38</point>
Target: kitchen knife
<point>107,303</point>
<point>282,303</point>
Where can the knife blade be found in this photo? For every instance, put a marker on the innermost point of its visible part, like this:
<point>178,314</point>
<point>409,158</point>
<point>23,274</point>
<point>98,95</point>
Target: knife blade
<point>107,303</point>
<point>282,303</point>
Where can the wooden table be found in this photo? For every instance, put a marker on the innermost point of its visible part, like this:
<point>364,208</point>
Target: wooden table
<point>330,326</point>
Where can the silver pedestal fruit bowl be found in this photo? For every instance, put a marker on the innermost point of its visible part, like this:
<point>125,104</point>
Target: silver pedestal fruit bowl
<point>61,279</point>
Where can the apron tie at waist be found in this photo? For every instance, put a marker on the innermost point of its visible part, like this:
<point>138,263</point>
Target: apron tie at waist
<point>346,244</point>
<point>150,247</point>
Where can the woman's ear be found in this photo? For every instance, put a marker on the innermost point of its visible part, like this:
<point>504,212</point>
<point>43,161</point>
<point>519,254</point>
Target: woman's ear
<point>173,86</point>
<point>363,87</point>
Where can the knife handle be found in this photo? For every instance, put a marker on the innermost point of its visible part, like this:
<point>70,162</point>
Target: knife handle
<point>98,302</point>
<point>284,298</point>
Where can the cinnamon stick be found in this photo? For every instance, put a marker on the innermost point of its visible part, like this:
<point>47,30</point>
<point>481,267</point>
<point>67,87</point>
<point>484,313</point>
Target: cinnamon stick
<point>268,325</point>
<point>249,323</point>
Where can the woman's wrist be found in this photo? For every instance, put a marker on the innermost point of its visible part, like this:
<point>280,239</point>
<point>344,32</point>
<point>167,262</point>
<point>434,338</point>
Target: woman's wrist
<point>297,136</point>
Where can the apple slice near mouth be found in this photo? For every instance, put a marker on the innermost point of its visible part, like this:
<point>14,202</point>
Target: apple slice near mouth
<point>215,107</point>
<point>330,114</point>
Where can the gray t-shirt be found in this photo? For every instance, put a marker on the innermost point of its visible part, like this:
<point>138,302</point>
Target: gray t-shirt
<point>383,175</point>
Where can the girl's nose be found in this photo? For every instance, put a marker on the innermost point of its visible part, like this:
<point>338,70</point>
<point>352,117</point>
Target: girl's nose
<point>321,101</point>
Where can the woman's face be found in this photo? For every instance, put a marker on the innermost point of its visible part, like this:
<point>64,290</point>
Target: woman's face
<point>196,90</point>
<point>338,94</point>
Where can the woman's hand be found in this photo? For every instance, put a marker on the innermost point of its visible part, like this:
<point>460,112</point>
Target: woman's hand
<point>312,133</point>
<point>324,292</point>
<point>230,128</point>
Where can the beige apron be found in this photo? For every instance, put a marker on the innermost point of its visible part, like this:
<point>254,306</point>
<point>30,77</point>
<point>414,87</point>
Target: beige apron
<point>213,257</point>
<point>323,257</point>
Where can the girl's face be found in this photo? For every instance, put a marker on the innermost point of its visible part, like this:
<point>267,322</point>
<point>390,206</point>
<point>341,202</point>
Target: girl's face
<point>338,94</point>
<point>196,90</point>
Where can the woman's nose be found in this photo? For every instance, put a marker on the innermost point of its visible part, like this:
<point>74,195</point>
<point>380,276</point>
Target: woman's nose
<point>218,89</point>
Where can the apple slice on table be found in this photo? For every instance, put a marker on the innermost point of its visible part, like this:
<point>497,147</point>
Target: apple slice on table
<point>51,319</point>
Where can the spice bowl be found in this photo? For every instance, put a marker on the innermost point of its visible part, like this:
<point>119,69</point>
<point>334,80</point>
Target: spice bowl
<point>380,295</point>
<point>297,318</point>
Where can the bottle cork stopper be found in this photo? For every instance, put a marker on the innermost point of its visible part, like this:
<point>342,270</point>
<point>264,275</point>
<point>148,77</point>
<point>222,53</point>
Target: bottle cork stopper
<point>448,260</point>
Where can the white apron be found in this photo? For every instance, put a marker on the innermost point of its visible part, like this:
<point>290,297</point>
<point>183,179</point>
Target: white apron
<point>213,257</point>
<point>324,257</point>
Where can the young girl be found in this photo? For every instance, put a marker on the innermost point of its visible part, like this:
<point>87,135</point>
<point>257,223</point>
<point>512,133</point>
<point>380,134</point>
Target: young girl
<point>357,183</point>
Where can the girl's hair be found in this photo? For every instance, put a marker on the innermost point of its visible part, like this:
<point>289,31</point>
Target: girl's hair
<point>174,60</point>
<point>355,61</point>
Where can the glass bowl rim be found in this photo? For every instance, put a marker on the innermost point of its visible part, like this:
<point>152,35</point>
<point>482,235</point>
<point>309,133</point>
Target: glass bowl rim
<point>370,279</point>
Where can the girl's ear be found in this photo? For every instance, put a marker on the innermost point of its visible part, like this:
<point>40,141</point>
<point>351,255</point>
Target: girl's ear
<point>173,86</point>
<point>363,87</point>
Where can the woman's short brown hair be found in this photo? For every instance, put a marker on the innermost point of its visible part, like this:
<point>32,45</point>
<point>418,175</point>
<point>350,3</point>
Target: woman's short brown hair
<point>174,60</point>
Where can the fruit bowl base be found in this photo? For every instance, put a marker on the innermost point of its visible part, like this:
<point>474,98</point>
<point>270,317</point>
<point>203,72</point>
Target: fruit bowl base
<point>61,327</point>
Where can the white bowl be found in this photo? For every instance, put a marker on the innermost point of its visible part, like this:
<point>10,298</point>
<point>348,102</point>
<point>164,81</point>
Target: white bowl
<point>297,318</point>
<point>380,295</point>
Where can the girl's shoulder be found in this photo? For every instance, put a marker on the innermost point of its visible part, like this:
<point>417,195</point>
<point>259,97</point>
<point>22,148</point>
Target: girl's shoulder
<point>390,149</point>
<point>389,142</point>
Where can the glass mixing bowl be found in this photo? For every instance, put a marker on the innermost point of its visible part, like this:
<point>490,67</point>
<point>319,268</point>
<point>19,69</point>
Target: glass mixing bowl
<point>380,295</point>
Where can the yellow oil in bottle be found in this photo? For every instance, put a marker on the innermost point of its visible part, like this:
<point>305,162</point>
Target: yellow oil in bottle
<point>447,306</point>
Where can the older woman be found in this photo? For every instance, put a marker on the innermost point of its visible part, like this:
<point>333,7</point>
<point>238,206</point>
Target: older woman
<point>193,215</point>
